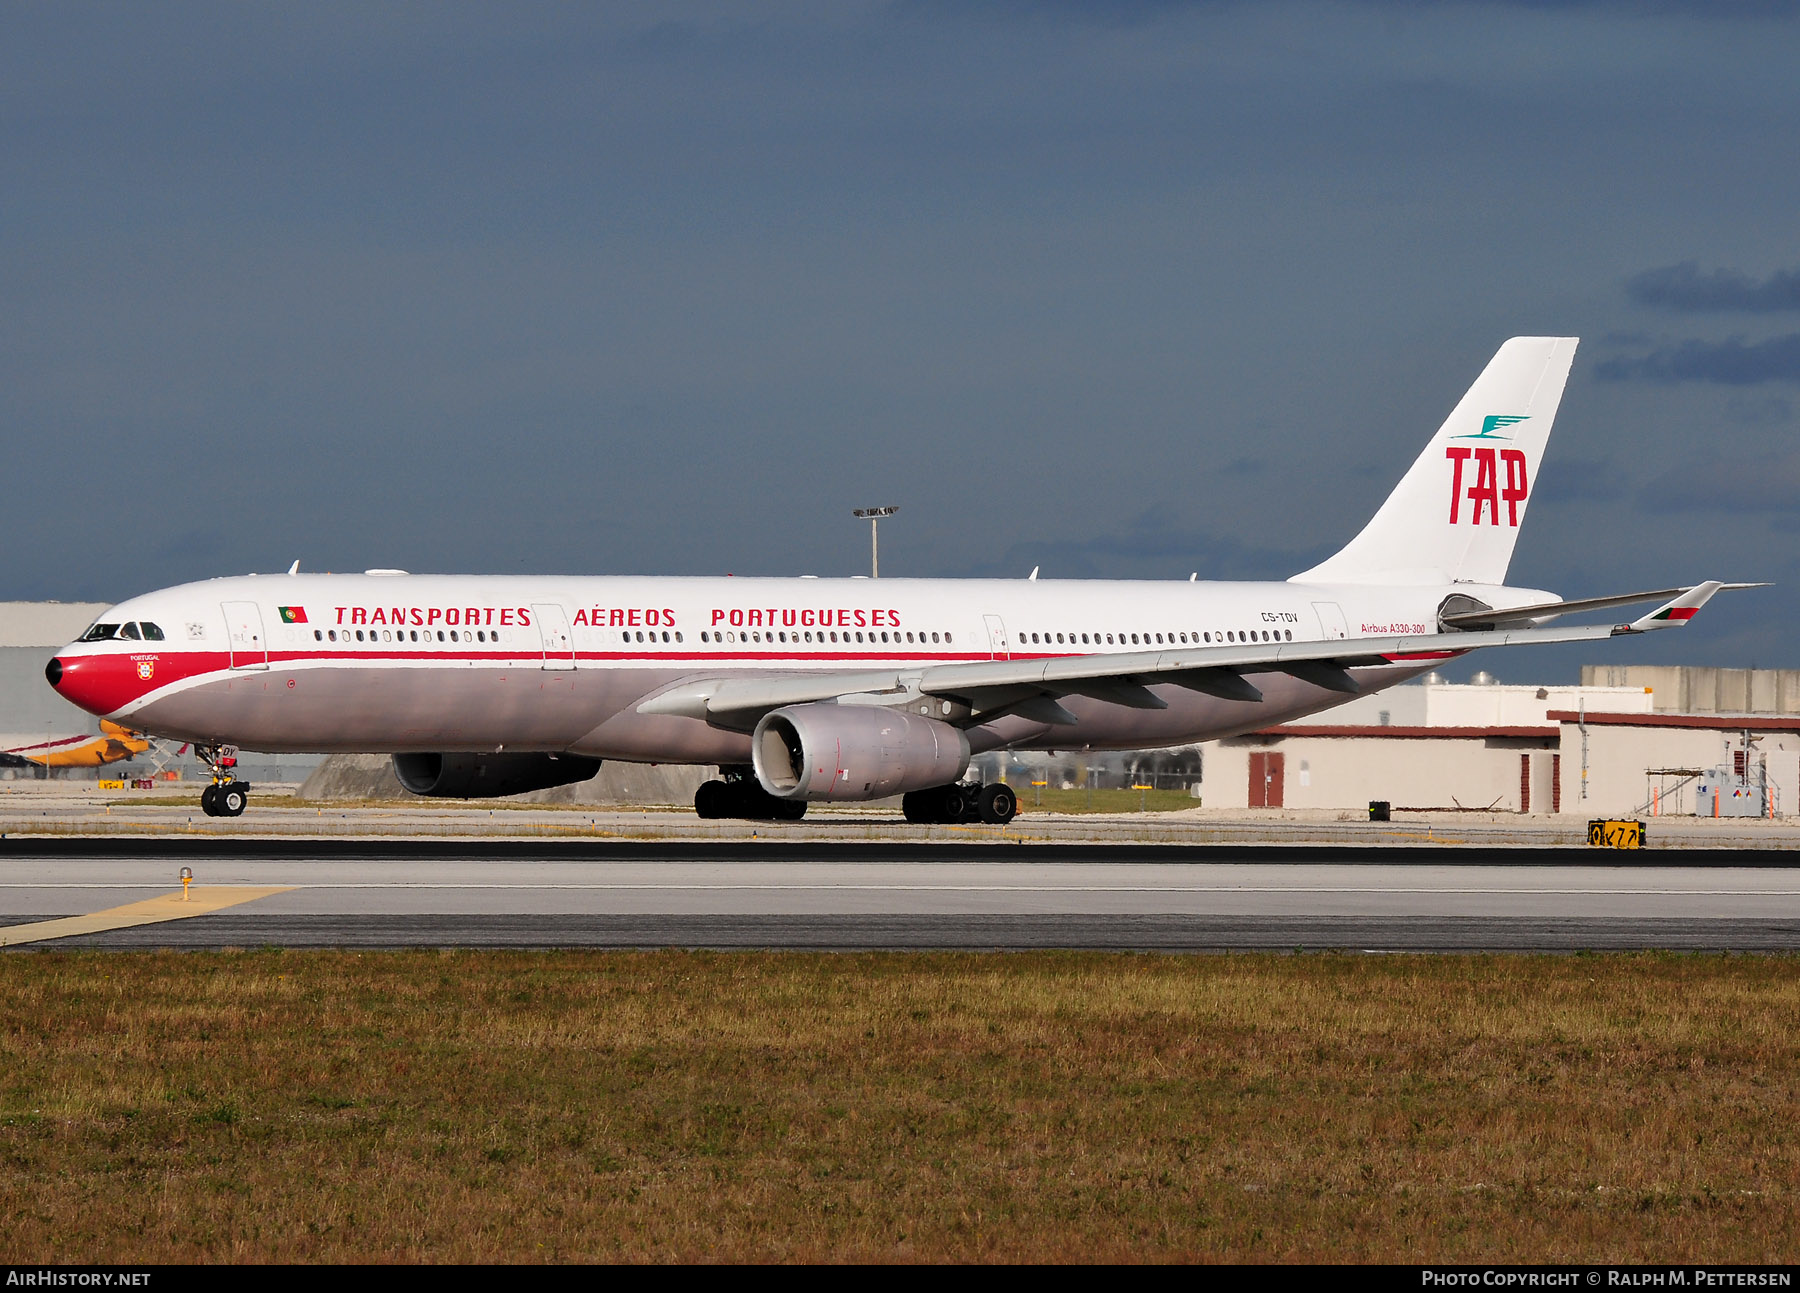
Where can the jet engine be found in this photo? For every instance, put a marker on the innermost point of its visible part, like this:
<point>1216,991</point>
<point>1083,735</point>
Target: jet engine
<point>488,776</point>
<point>853,752</point>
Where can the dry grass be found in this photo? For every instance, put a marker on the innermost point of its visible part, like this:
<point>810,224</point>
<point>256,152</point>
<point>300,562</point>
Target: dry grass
<point>501,1106</point>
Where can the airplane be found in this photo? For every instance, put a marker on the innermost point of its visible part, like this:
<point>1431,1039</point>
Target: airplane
<point>76,750</point>
<point>807,690</point>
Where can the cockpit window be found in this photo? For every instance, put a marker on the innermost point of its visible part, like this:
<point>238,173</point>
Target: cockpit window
<point>152,632</point>
<point>129,632</point>
<point>100,633</point>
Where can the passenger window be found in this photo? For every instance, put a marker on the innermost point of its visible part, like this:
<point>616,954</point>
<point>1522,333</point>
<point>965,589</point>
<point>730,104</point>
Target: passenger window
<point>318,635</point>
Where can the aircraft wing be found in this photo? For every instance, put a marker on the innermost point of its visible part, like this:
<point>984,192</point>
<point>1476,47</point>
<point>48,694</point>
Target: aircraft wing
<point>992,688</point>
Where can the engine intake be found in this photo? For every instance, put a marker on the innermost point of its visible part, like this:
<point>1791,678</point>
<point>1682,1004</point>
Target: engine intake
<point>489,776</point>
<point>853,752</point>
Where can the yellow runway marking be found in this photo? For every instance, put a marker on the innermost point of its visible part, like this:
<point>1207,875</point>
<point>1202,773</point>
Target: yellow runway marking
<point>169,906</point>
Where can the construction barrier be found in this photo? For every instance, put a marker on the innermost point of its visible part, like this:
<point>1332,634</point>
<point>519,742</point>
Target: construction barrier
<point>1613,834</point>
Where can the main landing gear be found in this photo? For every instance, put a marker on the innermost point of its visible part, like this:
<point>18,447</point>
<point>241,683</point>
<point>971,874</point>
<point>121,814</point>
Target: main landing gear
<point>996,804</point>
<point>227,796</point>
<point>739,795</point>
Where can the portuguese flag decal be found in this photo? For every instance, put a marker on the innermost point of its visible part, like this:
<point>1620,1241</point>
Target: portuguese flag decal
<point>292,614</point>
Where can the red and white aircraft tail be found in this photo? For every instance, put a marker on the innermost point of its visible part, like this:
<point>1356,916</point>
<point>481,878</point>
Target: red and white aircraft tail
<point>1456,514</point>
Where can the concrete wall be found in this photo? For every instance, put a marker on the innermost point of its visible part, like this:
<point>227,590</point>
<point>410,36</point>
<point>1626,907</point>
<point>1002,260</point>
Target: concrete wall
<point>1620,758</point>
<point>1346,772</point>
<point>1408,772</point>
<point>45,624</point>
<point>1422,704</point>
<point>1702,689</point>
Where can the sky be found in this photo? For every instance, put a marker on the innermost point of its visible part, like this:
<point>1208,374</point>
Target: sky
<point>1114,290</point>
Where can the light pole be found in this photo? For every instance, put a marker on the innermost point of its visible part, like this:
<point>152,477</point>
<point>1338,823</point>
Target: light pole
<point>873,515</point>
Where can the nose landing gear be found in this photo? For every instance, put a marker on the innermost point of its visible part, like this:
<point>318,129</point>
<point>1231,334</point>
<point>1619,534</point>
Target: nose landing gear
<point>227,796</point>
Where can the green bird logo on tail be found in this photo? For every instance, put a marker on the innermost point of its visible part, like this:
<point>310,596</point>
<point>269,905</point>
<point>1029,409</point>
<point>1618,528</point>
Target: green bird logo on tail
<point>1494,422</point>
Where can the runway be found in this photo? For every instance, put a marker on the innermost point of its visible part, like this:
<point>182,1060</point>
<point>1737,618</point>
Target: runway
<point>413,893</point>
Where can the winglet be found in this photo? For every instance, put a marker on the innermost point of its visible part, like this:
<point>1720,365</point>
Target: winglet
<point>1678,611</point>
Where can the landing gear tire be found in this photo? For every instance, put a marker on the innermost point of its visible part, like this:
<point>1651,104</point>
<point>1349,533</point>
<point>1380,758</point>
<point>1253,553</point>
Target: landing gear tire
<point>920,806</point>
<point>710,800</point>
<point>997,804</point>
<point>227,796</point>
<point>744,799</point>
<point>948,805</point>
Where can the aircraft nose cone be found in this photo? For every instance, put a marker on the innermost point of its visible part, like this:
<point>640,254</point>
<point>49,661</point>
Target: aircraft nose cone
<point>53,672</point>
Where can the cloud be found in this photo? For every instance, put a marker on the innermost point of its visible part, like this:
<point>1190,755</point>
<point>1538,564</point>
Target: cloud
<point>1686,289</point>
<point>1152,546</point>
<point>1578,480</point>
<point>1735,362</point>
<point>1759,411</point>
<point>1721,481</point>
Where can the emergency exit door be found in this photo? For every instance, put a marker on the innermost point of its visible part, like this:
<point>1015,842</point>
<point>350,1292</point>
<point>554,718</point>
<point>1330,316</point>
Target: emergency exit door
<point>1266,770</point>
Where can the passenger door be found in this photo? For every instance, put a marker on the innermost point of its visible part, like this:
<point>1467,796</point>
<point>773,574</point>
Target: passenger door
<point>553,628</point>
<point>244,630</point>
<point>998,647</point>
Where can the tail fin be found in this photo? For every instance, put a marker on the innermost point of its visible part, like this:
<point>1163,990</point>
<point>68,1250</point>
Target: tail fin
<point>1455,515</point>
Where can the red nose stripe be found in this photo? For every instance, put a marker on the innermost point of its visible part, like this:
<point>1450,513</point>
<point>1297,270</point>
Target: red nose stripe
<point>105,684</point>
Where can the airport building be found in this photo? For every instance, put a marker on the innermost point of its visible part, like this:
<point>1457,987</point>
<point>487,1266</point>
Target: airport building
<point>1628,742</point>
<point>30,633</point>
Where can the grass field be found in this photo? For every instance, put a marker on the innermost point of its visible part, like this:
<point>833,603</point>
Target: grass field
<point>523,1106</point>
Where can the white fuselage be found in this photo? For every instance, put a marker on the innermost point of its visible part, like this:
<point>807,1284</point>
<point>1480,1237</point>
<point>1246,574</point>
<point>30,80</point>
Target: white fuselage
<point>378,663</point>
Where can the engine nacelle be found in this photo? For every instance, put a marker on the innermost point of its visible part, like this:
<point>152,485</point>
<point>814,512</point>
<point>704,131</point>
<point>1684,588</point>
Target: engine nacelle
<point>488,776</point>
<point>854,752</point>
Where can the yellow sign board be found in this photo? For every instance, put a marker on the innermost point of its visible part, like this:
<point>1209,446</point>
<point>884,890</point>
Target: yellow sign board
<point>1614,834</point>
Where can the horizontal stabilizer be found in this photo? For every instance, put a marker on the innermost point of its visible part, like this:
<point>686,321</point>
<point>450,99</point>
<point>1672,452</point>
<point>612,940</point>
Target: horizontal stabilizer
<point>1679,610</point>
<point>1494,617</point>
